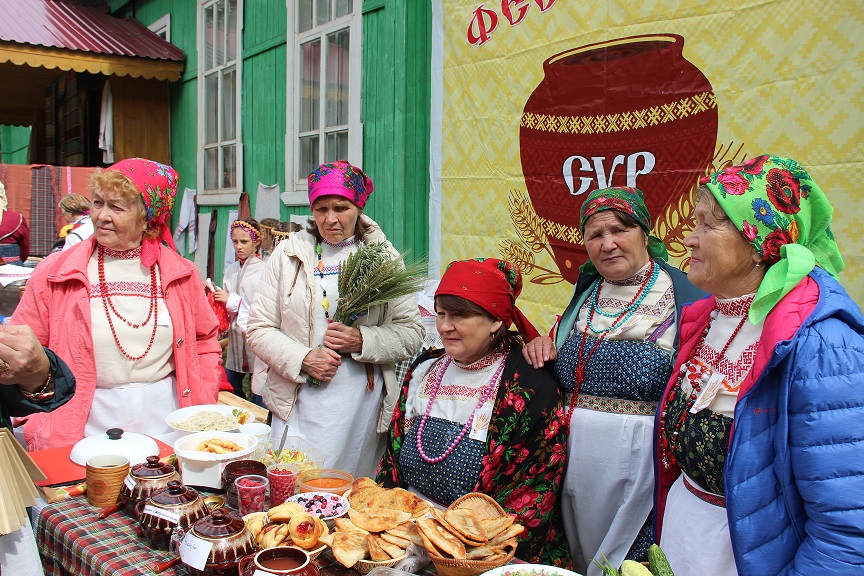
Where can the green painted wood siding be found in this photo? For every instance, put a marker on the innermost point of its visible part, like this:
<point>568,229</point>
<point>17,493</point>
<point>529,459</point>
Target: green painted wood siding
<point>396,100</point>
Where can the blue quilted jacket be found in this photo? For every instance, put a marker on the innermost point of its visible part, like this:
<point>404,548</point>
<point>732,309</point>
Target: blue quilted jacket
<point>794,475</point>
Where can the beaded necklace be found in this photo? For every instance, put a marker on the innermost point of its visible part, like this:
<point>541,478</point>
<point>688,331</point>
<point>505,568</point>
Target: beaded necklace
<point>107,303</point>
<point>487,391</point>
<point>325,303</point>
<point>695,378</point>
<point>629,309</point>
<point>625,313</point>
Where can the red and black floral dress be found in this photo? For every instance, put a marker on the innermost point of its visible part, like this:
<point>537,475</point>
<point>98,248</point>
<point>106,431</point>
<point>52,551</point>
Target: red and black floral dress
<point>523,461</point>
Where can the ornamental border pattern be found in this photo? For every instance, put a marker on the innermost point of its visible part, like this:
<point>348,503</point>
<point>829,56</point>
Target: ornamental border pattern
<point>622,121</point>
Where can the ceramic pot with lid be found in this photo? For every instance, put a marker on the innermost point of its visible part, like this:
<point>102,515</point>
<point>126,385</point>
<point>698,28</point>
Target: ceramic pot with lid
<point>145,479</point>
<point>136,447</point>
<point>230,541</point>
<point>174,508</point>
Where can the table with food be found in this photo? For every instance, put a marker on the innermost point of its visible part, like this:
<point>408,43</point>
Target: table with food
<point>222,502</point>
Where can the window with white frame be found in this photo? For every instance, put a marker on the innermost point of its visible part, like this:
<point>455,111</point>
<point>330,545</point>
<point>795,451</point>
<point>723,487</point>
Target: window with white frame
<point>219,52</point>
<point>162,27</point>
<point>325,77</point>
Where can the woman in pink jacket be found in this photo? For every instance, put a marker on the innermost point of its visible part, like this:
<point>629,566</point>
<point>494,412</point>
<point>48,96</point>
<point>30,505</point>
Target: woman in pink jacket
<point>127,313</point>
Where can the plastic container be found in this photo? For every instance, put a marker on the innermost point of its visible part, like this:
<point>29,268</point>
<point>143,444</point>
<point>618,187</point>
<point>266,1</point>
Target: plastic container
<point>283,482</point>
<point>328,480</point>
<point>203,468</point>
<point>296,451</point>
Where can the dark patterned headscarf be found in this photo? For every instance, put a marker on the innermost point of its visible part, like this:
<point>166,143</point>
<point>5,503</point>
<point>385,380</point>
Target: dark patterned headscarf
<point>491,284</point>
<point>340,178</point>
<point>626,200</point>
<point>785,216</point>
<point>157,184</point>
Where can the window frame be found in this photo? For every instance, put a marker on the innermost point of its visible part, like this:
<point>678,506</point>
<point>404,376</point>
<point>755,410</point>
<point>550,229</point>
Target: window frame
<point>219,196</point>
<point>296,187</point>
<point>162,26</point>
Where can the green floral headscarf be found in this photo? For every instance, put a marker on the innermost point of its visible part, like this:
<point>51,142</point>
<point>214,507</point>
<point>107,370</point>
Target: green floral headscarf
<point>629,201</point>
<point>785,216</point>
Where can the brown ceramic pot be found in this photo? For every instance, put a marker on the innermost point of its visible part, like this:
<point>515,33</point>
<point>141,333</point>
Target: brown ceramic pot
<point>173,508</point>
<point>145,479</point>
<point>230,540</point>
<point>279,561</point>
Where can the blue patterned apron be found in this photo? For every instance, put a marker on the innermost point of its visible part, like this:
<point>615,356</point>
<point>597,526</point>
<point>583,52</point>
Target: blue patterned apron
<point>451,478</point>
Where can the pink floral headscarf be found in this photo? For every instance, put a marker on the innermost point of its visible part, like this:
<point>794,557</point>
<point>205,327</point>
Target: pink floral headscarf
<point>158,186</point>
<point>340,178</point>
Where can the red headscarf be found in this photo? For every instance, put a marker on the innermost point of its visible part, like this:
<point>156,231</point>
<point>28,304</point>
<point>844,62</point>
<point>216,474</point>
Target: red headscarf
<point>158,186</point>
<point>491,284</point>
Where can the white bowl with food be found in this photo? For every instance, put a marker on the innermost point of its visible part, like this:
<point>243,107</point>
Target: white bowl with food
<point>208,417</point>
<point>203,455</point>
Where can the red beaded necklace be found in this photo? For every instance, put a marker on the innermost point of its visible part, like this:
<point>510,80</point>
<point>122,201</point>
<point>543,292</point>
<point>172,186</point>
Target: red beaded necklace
<point>694,376</point>
<point>582,362</point>
<point>108,304</point>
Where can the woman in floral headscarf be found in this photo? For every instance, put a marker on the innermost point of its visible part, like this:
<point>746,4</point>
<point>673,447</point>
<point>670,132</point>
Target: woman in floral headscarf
<point>761,429</point>
<point>475,417</point>
<point>613,353</point>
<point>126,312</point>
<point>298,293</point>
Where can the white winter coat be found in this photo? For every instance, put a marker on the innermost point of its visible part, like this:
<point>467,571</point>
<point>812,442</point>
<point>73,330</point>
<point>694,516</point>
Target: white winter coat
<point>280,326</point>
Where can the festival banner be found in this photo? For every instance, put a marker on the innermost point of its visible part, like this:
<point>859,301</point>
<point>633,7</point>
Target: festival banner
<point>542,101</point>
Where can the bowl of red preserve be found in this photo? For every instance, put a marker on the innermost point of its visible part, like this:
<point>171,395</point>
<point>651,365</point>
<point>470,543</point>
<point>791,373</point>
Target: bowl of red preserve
<point>280,561</point>
<point>234,470</point>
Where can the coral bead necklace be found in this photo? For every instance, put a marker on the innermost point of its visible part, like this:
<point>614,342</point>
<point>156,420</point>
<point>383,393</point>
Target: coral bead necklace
<point>109,306</point>
<point>491,386</point>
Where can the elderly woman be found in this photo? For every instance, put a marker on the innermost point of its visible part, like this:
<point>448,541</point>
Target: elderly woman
<point>761,429</point>
<point>477,417</point>
<point>347,416</point>
<point>126,312</point>
<point>14,233</point>
<point>75,209</point>
<point>613,352</point>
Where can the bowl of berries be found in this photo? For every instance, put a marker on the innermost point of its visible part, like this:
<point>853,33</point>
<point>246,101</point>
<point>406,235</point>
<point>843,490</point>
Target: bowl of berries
<point>324,505</point>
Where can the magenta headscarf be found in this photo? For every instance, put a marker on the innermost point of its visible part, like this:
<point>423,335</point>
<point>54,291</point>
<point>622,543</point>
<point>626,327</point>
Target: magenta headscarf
<point>158,186</point>
<point>340,178</point>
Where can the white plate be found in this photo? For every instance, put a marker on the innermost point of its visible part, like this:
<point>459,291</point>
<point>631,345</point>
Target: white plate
<point>178,416</point>
<point>308,501</point>
<point>528,570</point>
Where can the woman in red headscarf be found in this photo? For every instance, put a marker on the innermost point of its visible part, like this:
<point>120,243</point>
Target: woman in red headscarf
<point>126,312</point>
<point>476,417</point>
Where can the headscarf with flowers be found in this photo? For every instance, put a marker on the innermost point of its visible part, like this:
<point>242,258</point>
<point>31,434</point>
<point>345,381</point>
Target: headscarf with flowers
<point>629,201</point>
<point>492,284</point>
<point>785,216</point>
<point>340,178</point>
<point>157,184</point>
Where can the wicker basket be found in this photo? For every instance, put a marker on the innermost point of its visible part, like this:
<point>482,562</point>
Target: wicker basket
<point>484,507</point>
<point>366,566</point>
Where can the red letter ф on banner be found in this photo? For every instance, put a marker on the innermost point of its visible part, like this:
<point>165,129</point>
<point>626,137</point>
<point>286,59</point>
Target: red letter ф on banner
<point>482,25</point>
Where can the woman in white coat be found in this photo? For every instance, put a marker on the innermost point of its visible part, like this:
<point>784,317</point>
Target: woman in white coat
<point>346,417</point>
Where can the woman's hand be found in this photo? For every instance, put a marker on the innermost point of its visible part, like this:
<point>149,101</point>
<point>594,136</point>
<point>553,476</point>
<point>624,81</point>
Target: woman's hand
<point>540,350</point>
<point>22,359</point>
<point>321,363</point>
<point>220,295</point>
<point>343,338</point>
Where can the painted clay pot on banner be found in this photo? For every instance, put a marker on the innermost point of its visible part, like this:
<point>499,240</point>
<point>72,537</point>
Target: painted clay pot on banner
<point>625,112</point>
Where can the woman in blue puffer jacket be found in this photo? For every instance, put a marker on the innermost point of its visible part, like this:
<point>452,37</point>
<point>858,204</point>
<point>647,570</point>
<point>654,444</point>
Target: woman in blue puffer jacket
<point>760,452</point>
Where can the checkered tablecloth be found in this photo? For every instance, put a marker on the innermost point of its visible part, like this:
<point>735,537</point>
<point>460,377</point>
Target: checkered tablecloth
<point>74,541</point>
